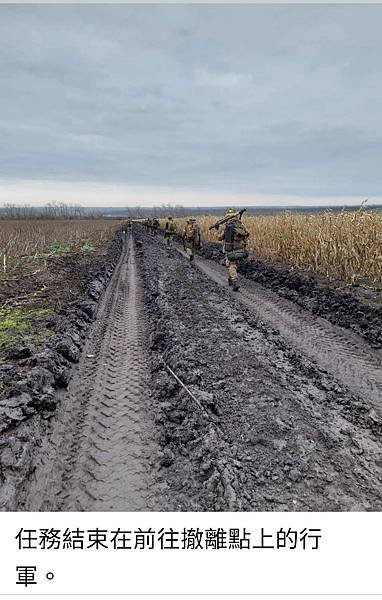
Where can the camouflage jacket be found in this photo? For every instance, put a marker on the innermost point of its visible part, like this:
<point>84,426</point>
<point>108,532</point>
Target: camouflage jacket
<point>170,228</point>
<point>240,235</point>
<point>192,233</point>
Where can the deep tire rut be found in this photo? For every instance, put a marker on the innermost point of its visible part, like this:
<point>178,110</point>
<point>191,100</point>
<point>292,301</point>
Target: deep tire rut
<point>288,419</point>
<point>278,431</point>
<point>102,449</point>
<point>342,353</point>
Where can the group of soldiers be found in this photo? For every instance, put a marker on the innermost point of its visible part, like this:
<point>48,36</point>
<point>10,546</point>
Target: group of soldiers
<point>233,235</point>
<point>152,225</point>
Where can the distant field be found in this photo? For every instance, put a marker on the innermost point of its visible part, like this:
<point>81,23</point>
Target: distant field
<point>25,244</point>
<point>342,245</point>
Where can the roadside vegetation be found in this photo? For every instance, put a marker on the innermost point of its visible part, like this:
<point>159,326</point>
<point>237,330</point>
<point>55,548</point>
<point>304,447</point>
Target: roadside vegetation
<point>15,323</point>
<point>340,245</point>
<point>44,264</point>
<point>27,244</point>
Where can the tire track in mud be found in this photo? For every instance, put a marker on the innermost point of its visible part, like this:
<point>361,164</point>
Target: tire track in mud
<point>340,352</point>
<point>102,448</point>
<point>280,433</point>
<point>277,433</point>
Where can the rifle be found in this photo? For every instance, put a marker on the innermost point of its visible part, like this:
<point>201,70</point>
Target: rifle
<point>225,219</point>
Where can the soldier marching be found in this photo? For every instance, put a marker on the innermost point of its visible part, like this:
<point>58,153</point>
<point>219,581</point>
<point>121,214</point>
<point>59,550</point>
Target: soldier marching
<point>234,238</point>
<point>169,231</point>
<point>191,237</point>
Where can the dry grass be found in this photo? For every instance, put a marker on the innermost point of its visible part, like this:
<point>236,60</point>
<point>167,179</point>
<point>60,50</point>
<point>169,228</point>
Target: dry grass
<point>25,244</point>
<point>345,245</point>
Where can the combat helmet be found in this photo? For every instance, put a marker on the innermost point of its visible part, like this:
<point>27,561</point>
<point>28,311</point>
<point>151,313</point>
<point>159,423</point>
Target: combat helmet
<point>229,213</point>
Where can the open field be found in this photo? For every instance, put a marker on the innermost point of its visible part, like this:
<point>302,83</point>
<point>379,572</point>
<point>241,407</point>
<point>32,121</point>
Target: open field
<point>345,245</point>
<point>157,387</point>
<point>26,244</point>
<point>44,264</point>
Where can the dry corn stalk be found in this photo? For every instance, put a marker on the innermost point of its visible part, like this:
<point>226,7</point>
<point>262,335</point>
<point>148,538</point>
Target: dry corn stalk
<point>343,245</point>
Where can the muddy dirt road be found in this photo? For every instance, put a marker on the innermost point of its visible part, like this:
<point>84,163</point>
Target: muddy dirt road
<point>342,353</point>
<point>102,447</point>
<point>287,413</point>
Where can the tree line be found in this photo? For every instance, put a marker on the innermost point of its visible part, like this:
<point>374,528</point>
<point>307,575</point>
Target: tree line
<point>52,210</point>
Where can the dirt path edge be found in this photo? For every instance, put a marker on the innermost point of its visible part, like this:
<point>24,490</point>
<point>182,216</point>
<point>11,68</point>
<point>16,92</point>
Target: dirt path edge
<point>357,308</point>
<point>32,398</point>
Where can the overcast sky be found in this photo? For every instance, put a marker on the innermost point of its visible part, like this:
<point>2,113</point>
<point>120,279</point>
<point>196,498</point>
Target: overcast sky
<point>192,103</point>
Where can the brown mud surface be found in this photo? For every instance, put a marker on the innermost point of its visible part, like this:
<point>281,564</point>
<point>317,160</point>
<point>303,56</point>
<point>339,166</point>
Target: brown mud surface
<point>101,449</point>
<point>355,307</point>
<point>276,432</point>
<point>286,412</point>
<point>31,383</point>
<point>46,298</point>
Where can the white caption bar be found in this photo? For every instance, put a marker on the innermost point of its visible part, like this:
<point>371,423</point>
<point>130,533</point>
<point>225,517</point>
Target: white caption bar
<point>190,553</point>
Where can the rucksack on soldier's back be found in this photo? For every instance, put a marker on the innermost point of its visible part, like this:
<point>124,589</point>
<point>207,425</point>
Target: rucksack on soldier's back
<point>170,227</point>
<point>229,237</point>
<point>234,232</point>
<point>190,231</point>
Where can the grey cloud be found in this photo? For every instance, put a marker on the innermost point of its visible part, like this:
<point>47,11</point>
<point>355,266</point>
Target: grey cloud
<point>257,98</point>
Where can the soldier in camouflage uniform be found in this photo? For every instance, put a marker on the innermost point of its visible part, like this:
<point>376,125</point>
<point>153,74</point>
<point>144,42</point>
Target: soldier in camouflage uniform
<point>235,238</point>
<point>155,226</point>
<point>191,237</point>
<point>169,231</point>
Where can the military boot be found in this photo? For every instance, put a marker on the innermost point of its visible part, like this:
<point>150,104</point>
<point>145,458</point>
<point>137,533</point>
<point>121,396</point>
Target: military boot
<point>235,286</point>
<point>230,281</point>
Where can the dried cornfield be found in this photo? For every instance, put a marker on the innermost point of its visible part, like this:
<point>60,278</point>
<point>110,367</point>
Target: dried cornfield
<point>25,244</point>
<point>341,245</point>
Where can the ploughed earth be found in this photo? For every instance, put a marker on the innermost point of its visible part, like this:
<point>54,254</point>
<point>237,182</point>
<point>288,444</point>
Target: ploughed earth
<point>156,387</point>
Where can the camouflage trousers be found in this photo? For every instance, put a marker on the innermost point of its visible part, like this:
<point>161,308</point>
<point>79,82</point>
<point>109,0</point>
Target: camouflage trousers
<point>169,239</point>
<point>232,269</point>
<point>190,248</point>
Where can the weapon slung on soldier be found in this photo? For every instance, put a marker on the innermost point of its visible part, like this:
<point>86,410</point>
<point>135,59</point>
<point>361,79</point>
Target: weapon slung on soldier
<point>225,219</point>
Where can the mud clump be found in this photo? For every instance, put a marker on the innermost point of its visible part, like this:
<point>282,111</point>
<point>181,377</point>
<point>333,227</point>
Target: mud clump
<point>259,427</point>
<point>274,432</point>
<point>29,381</point>
<point>353,307</point>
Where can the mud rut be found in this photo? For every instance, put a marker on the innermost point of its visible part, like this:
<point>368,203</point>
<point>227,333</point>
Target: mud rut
<point>342,353</point>
<point>286,396</point>
<point>102,447</point>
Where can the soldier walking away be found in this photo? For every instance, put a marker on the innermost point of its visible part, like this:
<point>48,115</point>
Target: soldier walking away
<point>126,227</point>
<point>169,231</point>
<point>155,226</point>
<point>191,237</point>
<point>234,239</point>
